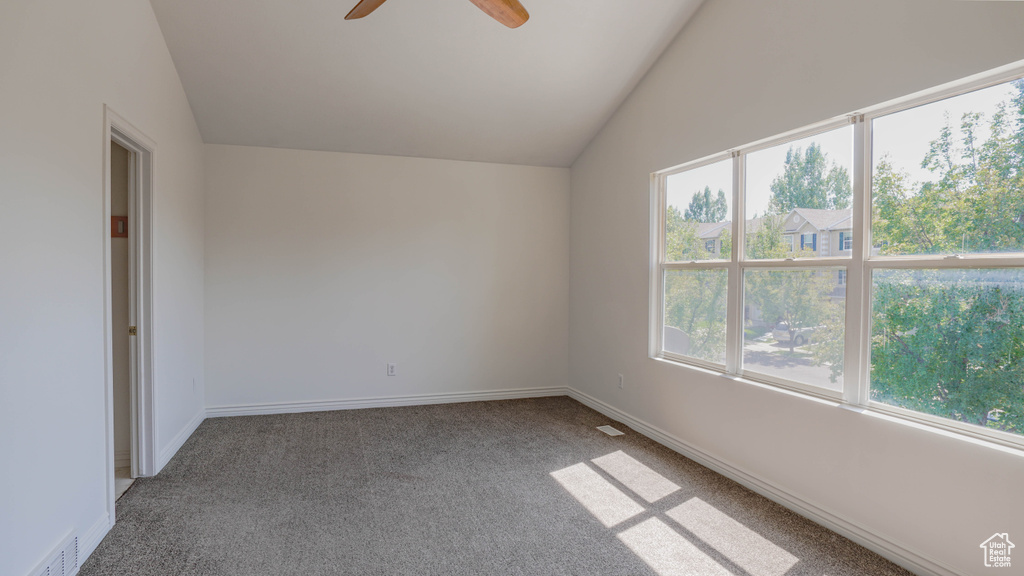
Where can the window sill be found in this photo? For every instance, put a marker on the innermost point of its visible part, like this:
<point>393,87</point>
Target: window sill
<point>932,424</point>
<point>805,395</point>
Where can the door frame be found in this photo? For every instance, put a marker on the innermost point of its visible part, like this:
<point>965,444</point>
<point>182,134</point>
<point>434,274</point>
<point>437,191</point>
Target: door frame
<point>140,238</point>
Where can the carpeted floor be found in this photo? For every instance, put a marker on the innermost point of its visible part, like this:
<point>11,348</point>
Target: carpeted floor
<point>525,487</point>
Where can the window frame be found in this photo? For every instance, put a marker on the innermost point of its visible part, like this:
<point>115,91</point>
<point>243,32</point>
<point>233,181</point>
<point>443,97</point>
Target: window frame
<point>859,263</point>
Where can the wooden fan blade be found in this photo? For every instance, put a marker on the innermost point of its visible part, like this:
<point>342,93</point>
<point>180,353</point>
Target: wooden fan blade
<point>364,8</point>
<point>509,12</point>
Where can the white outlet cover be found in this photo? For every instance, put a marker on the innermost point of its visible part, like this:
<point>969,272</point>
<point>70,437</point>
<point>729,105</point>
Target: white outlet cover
<point>610,431</point>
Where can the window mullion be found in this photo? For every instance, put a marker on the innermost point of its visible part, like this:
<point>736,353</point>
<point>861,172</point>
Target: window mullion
<point>734,326</point>
<point>858,277</point>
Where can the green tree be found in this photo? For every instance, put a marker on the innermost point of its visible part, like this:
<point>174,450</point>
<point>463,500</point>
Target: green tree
<point>802,299</point>
<point>951,342</point>
<point>766,238</point>
<point>704,207</point>
<point>683,242</point>
<point>681,238</point>
<point>695,303</point>
<point>974,203</point>
<point>810,180</point>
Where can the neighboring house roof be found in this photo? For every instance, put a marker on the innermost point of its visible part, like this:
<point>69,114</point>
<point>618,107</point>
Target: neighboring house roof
<point>823,219</point>
<point>709,230</point>
<point>754,225</point>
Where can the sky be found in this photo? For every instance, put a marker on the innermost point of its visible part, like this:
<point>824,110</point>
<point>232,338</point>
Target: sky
<point>904,136</point>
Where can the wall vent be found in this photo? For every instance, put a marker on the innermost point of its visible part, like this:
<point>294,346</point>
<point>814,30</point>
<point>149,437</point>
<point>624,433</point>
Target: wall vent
<point>63,561</point>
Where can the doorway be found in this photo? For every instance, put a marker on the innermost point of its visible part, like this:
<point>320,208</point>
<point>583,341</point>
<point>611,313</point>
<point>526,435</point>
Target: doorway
<point>128,343</point>
<point>121,188</point>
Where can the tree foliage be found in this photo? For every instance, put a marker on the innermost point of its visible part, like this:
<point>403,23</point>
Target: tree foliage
<point>695,303</point>
<point>951,343</point>
<point>805,301</point>
<point>810,180</point>
<point>766,238</point>
<point>705,207</point>
<point>683,242</point>
<point>974,203</point>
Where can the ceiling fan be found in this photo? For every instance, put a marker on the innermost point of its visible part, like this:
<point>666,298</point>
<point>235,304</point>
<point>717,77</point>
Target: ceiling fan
<point>509,12</point>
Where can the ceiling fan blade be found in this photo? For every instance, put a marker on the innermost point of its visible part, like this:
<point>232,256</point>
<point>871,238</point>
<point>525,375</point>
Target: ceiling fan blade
<point>509,12</point>
<point>364,8</point>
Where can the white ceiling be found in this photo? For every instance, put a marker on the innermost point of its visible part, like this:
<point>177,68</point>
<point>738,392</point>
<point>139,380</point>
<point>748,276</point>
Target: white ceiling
<point>431,78</point>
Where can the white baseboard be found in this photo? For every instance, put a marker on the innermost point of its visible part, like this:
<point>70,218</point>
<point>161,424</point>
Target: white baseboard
<point>178,441</point>
<point>91,539</point>
<point>382,402</point>
<point>883,546</point>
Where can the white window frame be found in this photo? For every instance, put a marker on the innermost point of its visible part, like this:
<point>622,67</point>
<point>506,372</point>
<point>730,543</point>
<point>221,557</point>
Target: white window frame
<point>859,262</point>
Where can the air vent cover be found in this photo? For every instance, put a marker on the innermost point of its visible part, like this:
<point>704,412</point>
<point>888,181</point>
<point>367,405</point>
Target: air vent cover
<point>63,561</point>
<point>610,431</point>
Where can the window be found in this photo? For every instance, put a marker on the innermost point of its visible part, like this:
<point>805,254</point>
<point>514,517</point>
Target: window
<point>946,342</point>
<point>796,187</point>
<point>845,241</point>
<point>698,207</point>
<point>799,334</point>
<point>695,314</point>
<point>694,285</point>
<point>938,265</point>
<point>947,222</point>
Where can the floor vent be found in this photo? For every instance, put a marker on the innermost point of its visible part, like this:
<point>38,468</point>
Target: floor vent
<point>64,561</point>
<point>610,431</point>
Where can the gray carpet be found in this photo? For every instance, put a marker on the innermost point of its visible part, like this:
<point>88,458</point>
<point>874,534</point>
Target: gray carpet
<point>509,487</point>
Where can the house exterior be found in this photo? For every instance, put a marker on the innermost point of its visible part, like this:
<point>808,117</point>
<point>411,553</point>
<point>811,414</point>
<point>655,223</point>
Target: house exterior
<point>711,234</point>
<point>827,233</point>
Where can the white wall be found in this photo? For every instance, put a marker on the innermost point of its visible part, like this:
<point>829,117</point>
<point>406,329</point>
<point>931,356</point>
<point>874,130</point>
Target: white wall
<point>741,71</point>
<point>323,267</point>
<point>60,61</point>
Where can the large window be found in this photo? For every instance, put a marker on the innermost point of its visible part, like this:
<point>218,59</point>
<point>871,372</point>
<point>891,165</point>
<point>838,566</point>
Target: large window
<point>876,259</point>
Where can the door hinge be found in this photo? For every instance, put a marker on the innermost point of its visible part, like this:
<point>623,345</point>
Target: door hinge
<point>132,331</point>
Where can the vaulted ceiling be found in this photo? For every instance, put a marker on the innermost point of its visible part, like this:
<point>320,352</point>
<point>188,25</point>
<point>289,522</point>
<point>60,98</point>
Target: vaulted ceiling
<point>430,78</point>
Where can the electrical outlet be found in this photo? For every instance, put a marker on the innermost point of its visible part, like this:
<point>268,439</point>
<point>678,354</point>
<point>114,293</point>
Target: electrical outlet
<point>392,369</point>
<point>621,381</point>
